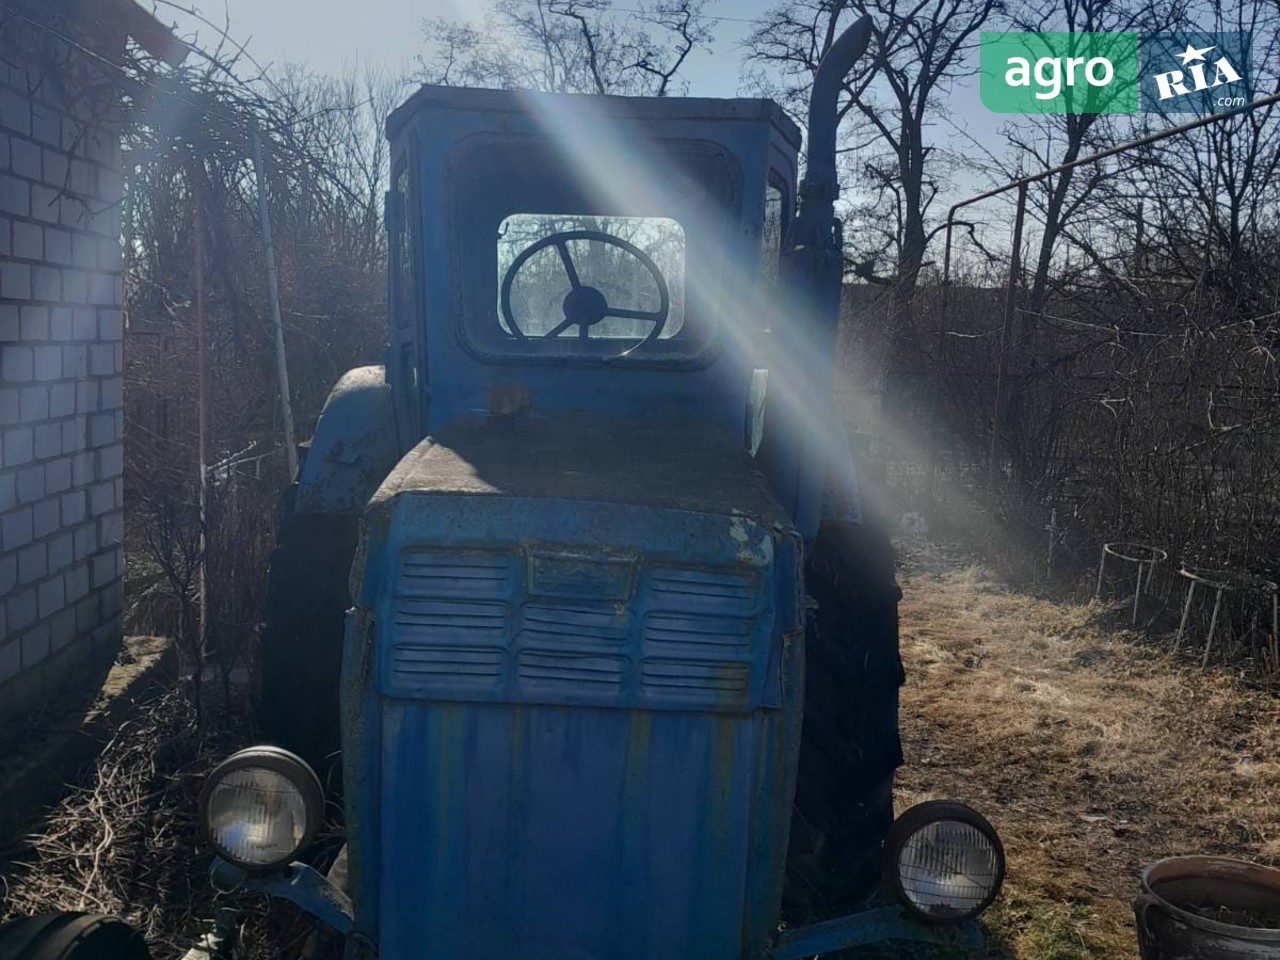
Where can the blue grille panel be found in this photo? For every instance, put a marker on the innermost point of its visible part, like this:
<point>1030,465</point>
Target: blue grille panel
<point>529,626</point>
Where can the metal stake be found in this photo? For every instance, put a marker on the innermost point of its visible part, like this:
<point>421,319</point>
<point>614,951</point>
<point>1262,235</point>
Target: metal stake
<point>1186,610</point>
<point>1213,623</point>
<point>1006,337</point>
<point>273,295</point>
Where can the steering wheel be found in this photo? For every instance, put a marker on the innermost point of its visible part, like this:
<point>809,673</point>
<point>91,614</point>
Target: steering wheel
<point>584,306</point>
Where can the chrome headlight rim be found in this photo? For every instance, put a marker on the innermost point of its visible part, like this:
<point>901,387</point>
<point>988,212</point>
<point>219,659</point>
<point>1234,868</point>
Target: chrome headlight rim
<point>908,825</point>
<point>279,761</point>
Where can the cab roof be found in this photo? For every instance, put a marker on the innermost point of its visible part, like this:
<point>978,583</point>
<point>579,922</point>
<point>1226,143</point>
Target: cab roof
<point>474,100</point>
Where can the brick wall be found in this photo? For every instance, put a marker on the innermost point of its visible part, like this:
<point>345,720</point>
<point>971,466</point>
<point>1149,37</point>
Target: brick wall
<point>61,385</point>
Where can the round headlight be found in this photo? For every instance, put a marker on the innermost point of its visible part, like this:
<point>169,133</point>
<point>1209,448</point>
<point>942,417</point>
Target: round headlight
<point>260,806</point>
<point>944,861</point>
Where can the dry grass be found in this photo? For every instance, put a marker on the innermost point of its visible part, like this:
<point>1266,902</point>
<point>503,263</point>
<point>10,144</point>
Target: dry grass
<point>1092,753</point>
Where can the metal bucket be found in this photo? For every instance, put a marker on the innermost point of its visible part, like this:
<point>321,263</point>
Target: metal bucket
<point>1208,908</point>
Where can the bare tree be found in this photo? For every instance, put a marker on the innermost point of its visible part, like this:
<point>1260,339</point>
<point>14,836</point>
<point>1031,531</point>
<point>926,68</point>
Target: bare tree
<point>918,48</point>
<point>569,46</point>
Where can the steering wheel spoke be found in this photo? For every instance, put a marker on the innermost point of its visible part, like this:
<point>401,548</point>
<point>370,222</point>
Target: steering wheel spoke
<point>653,316</point>
<point>569,268</point>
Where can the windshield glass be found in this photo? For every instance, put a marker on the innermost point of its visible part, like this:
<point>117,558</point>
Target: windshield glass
<point>572,278</point>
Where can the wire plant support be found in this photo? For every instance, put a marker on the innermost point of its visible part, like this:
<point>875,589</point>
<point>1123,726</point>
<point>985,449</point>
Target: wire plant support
<point>1223,582</point>
<point>1143,555</point>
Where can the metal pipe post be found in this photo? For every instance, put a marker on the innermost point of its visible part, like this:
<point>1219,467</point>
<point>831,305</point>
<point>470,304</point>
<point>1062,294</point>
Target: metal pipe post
<point>273,295</point>
<point>1007,337</point>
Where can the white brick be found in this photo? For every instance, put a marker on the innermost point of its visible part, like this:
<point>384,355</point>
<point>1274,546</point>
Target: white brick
<point>102,569</point>
<point>25,158</point>
<point>84,250</point>
<point>48,363</point>
<point>86,544</point>
<point>33,563</point>
<point>81,469</point>
<point>46,125</point>
<point>111,529</point>
<point>35,403</point>
<point>110,325</point>
<point>110,462</point>
<point>55,168</point>
<point>15,196</point>
<point>75,361</point>
<point>60,326</point>
<point>62,400</point>
<point>28,241</point>
<point>44,517</point>
<point>86,322</point>
<point>8,322</point>
<point>48,440</point>
<point>35,323</point>
<point>102,359</point>
<point>15,280</point>
<point>21,609</point>
<point>109,254</point>
<point>57,475</point>
<point>101,498</point>
<point>46,283</point>
<point>52,597</point>
<point>45,203</point>
<point>61,552</point>
<point>16,528</point>
<point>17,363</point>
<point>19,446</point>
<point>112,394</point>
<point>35,646</point>
<point>102,430</point>
<point>73,435</point>
<point>83,180</point>
<point>15,112</point>
<point>57,246</point>
<point>73,508</point>
<point>31,483</point>
<point>75,287</point>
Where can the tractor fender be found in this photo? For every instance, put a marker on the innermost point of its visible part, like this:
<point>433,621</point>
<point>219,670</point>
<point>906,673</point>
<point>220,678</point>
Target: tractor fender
<point>354,447</point>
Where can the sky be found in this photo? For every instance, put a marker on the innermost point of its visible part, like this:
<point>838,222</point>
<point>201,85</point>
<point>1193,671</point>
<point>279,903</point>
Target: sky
<point>329,36</point>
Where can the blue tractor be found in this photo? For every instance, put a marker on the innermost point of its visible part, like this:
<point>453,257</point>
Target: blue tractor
<point>577,585</point>
<point>617,672</point>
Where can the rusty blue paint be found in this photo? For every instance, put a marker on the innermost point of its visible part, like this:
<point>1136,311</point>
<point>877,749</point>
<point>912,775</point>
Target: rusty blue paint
<point>511,818</point>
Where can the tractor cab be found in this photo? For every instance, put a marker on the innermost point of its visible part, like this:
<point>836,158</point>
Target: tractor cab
<point>600,255</point>
<point>577,584</point>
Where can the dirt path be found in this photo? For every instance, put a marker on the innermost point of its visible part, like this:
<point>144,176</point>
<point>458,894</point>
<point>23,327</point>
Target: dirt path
<point>1092,754</point>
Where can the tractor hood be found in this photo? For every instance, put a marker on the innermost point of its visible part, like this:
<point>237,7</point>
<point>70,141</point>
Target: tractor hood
<point>682,465</point>
<point>573,708</point>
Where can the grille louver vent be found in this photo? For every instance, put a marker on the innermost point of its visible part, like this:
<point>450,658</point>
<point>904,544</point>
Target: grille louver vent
<point>545,628</point>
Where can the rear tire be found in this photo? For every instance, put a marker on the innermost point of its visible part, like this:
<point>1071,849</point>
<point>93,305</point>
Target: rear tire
<point>849,746</point>
<point>301,658</point>
<point>71,936</point>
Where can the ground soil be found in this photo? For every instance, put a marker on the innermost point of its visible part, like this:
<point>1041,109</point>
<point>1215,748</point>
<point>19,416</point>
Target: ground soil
<point>1092,750</point>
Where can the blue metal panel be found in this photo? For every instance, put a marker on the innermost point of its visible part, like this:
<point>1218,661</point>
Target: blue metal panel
<point>509,823</point>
